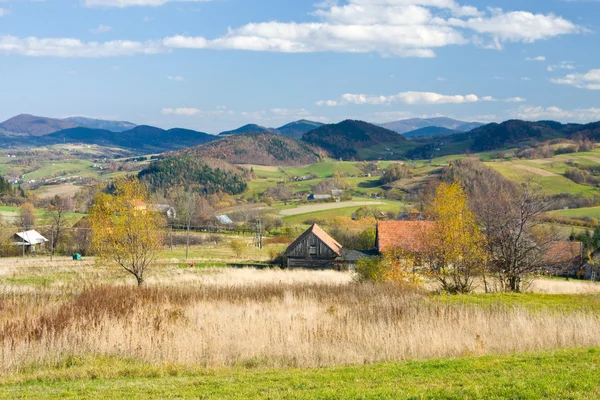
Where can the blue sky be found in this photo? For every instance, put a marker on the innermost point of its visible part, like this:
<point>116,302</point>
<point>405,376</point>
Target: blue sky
<point>215,65</point>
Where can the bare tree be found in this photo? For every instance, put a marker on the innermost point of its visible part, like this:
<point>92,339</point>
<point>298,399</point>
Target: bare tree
<point>517,242</point>
<point>56,214</point>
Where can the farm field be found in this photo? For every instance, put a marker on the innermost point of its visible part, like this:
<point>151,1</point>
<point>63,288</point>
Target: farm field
<point>312,208</point>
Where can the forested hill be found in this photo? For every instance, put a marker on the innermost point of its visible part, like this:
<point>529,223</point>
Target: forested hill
<point>258,148</point>
<point>204,175</point>
<point>514,132</point>
<point>344,139</point>
<point>147,139</point>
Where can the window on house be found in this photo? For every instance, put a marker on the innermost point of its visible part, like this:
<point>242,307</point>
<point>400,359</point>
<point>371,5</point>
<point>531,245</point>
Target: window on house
<point>312,250</point>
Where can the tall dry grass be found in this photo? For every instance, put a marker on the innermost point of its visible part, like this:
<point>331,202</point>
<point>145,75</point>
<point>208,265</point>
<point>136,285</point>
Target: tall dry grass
<point>270,324</point>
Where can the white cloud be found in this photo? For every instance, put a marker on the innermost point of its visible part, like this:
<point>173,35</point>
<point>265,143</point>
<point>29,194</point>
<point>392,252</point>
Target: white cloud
<point>220,111</point>
<point>590,80</point>
<point>67,47</point>
<point>404,97</point>
<point>183,111</point>
<point>101,29</point>
<point>133,3</point>
<point>176,78</point>
<point>405,28</point>
<point>412,98</point>
<point>525,78</point>
<point>538,58</point>
<point>539,113</point>
<point>515,100</point>
<point>3,12</point>
<point>563,65</point>
<point>409,28</point>
<point>518,26</point>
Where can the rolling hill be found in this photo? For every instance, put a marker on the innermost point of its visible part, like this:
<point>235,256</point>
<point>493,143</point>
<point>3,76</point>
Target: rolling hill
<point>141,138</point>
<point>429,131</point>
<point>31,125</point>
<point>114,126</point>
<point>258,148</point>
<point>408,125</point>
<point>343,140</point>
<point>204,175</point>
<point>250,128</point>
<point>298,128</point>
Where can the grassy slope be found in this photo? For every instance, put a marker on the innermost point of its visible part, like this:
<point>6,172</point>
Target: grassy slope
<point>566,374</point>
<point>591,212</point>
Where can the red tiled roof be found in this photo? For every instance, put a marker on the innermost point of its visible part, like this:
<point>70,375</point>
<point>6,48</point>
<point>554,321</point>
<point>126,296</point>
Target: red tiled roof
<point>323,236</point>
<point>405,235</point>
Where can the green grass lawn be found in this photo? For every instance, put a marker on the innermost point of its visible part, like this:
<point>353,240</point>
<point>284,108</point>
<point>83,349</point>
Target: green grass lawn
<point>591,212</point>
<point>564,374</point>
<point>531,301</point>
<point>550,184</point>
<point>386,206</point>
<point>49,169</point>
<point>324,169</point>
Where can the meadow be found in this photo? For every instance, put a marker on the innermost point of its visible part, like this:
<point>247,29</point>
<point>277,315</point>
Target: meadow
<point>210,330</point>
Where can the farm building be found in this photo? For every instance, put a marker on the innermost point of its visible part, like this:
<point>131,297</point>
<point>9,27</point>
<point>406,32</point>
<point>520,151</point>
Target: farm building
<point>313,249</point>
<point>31,240</point>
<point>405,235</point>
<point>319,197</point>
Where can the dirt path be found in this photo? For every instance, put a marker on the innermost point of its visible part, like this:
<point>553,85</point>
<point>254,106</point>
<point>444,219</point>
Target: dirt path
<point>325,207</point>
<point>533,170</point>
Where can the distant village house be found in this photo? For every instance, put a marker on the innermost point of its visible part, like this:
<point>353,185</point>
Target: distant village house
<point>31,240</point>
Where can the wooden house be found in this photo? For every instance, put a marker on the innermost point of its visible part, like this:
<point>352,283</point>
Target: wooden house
<point>314,249</point>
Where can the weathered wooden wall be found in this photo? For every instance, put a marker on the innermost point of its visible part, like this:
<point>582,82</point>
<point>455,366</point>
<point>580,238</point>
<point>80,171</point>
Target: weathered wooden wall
<point>300,257</point>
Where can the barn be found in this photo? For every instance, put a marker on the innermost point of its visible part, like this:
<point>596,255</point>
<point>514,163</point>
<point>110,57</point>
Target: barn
<point>314,249</point>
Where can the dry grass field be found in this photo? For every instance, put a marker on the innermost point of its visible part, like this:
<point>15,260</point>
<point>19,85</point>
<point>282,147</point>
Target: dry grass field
<point>224,317</point>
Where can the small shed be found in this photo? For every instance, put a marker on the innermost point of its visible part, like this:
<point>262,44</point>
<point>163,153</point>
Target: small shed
<point>314,249</point>
<point>30,240</point>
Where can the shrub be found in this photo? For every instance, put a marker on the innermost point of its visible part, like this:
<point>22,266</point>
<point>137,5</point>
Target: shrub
<point>369,270</point>
<point>238,246</point>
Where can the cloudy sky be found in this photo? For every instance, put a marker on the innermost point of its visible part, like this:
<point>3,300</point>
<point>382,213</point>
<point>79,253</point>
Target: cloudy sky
<point>213,65</point>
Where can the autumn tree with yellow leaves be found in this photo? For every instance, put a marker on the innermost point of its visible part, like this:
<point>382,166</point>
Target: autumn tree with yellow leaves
<point>453,248</point>
<point>125,232</point>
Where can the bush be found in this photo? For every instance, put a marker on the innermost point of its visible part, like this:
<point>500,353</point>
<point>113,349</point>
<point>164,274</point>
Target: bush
<point>369,270</point>
<point>238,247</point>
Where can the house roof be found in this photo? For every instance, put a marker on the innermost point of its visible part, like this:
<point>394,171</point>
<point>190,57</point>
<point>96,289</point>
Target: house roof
<point>404,235</point>
<point>31,237</point>
<point>563,252</point>
<point>322,235</point>
<point>224,219</point>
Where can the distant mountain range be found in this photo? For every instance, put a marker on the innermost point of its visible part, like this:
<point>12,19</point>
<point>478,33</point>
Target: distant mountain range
<point>412,124</point>
<point>31,125</point>
<point>113,126</point>
<point>299,142</point>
